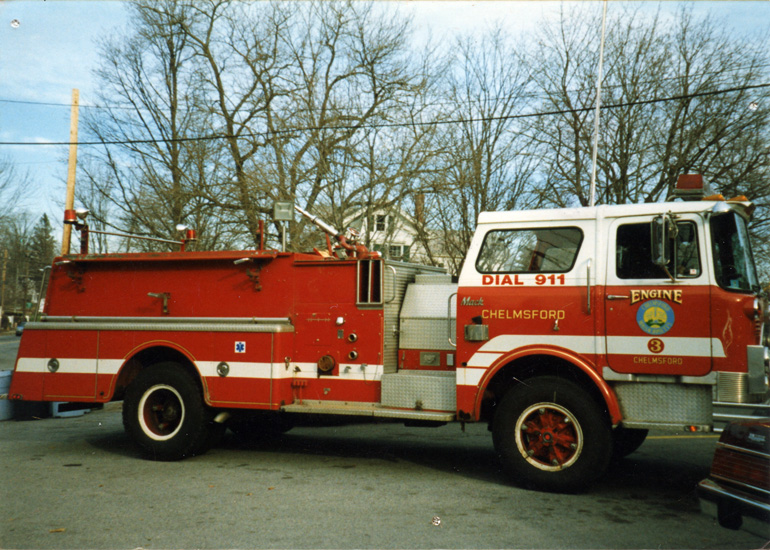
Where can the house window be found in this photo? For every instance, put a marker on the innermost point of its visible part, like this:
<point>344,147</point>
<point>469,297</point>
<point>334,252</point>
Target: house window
<point>399,252</point>
<point>380,222</point>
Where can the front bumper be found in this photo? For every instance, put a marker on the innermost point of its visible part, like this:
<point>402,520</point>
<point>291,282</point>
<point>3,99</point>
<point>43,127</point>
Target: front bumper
<point>734,508</point>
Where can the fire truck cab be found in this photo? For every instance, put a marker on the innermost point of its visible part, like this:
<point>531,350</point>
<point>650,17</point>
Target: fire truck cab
<point>634,317</point>
<point>570,332</point>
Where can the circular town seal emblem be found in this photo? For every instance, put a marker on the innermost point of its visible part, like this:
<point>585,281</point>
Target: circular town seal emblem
<point>655,317</point>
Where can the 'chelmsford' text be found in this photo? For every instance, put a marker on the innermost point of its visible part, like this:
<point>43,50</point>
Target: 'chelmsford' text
<point>523,314</point>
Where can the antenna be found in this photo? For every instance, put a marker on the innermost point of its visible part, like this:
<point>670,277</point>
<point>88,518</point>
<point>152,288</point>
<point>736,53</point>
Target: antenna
<point>598,107</point>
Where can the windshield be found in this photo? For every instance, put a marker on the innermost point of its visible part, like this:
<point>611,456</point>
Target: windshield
<point>733,262</point>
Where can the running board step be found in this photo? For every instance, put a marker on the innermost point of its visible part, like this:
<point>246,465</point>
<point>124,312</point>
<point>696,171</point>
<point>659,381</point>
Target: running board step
<point>366,409</point>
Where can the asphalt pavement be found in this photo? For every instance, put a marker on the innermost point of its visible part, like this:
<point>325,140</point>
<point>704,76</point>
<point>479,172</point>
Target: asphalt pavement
<point>79,482</point>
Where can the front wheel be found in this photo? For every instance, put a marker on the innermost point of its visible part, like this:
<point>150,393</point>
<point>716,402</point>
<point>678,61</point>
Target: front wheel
<point>164,413</point>
<point>551,434</point>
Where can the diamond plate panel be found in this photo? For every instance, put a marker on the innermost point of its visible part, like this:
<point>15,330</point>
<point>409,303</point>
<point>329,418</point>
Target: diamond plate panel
<point>426,334</point>
<point>672,403</point>
<point>435,391</point>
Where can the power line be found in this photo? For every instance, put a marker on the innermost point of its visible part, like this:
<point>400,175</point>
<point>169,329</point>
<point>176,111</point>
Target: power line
<point>528,94</point>
<point>400,124</point>
<point>66,105</point>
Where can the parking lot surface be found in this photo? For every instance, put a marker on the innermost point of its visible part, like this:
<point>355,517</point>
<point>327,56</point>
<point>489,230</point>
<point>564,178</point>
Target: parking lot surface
<point>80,483</point>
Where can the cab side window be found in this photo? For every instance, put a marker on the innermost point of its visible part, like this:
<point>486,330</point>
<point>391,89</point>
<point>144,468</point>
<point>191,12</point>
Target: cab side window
<point>634,256</point>
<point>550,250</point>
<point>687,255</point>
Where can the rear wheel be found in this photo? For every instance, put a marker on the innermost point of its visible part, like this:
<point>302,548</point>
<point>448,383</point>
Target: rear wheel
<point>164,413</point>
<point>551,434</point>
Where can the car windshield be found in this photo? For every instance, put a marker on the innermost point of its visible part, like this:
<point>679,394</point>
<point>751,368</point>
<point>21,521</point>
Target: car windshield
<point>733,262</point>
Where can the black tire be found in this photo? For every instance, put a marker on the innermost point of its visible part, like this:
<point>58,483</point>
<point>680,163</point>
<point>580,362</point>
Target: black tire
<point>164,413</point>
<point>728,517</point>
<point>552,435</point>
<point>626,440</point>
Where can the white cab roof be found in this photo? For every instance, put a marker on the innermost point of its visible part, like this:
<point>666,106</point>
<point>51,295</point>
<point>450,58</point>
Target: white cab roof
<point>605,211</point>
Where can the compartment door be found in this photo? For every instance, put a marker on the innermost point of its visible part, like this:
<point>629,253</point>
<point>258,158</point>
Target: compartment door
<point>70,363</point>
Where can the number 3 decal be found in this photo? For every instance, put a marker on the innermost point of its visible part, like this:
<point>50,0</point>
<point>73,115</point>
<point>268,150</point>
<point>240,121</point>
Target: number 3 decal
<point>655,345</point>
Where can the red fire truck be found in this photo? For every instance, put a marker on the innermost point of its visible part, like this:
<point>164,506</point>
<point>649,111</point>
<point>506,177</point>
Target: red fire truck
<point>571,332</point>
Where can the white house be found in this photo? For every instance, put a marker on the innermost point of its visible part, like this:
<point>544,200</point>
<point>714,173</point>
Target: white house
<point>393,233</point>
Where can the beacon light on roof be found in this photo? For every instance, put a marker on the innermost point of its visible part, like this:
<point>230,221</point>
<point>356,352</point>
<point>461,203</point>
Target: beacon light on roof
<point>689,187</point>
<point>188,234</point>
<point>75,215</point>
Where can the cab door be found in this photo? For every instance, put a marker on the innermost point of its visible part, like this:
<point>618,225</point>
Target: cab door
<point>655,325</point>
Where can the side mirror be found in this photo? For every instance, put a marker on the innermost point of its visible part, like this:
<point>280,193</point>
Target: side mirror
<point>659,236</point>
<point>662,231</point>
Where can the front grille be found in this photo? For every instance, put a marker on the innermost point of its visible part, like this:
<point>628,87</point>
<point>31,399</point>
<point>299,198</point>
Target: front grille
<point>732,387</point>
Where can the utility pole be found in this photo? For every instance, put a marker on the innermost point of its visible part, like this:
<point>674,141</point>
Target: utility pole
<point>2,292</point>
<point>25,288</point>
<point>69,202</point>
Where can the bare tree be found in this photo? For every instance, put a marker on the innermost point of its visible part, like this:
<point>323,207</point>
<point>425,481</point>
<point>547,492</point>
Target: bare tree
<point>156,172</point>
<point>664,111</point>
<point>708,132</point>
<point>14,187</point>
<point>561,63</point>
<point>389,156</point>
<point>489,162</point>
<point>15,238</point>
<point>298,92</point>
<point>225,107</point>
<point>355,83</point>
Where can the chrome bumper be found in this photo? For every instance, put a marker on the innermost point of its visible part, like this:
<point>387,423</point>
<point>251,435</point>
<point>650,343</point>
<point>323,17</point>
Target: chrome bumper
<point>733,508</point>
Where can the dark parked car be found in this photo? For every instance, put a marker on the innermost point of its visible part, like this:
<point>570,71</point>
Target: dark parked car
<point>20,328</point>
<point>737,491</point>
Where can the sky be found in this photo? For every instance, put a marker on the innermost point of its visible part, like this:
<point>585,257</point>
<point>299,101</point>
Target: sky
<point>49,47</point>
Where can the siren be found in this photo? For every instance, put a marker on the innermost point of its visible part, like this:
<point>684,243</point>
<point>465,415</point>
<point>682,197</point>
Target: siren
<point>690,187</point>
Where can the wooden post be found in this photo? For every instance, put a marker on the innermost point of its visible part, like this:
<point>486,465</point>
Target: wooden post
<point>2,291</point>
<point>69,202</point>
